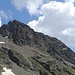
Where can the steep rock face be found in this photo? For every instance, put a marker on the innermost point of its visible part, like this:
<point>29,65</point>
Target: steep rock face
<point>52,57</point>
<point>22,34</point>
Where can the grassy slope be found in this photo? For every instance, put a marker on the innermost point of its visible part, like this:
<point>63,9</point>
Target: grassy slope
<point>57,66</point>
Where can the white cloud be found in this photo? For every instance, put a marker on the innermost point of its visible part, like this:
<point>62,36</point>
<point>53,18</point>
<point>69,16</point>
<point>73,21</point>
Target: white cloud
<point>31,5</point>
<point>70,1</point>
<point>69,32</point>
<point>19,4</point>
<point>5,15</point>
<point>58,20</point>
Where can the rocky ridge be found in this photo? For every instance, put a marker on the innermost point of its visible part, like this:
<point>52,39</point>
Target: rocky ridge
<point>43,54</point>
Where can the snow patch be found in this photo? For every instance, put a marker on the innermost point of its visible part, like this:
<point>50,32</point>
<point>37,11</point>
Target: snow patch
<point>2,42</point>
<point>7,71</point>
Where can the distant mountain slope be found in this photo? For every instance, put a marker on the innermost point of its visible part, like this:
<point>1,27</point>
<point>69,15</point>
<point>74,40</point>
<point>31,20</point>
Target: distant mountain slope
<point>33,52</point>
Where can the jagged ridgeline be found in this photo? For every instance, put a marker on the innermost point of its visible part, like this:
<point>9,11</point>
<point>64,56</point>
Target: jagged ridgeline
<point>27,52</point>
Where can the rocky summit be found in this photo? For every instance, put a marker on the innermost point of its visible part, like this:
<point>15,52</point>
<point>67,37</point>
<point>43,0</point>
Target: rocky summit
<point>27,52</point>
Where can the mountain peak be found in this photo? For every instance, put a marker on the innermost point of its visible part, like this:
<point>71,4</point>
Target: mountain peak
<point>14,22</point>
<point>13,27</point>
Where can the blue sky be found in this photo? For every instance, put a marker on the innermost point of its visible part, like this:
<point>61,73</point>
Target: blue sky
<point>9,9</point>
<point>52,17</point>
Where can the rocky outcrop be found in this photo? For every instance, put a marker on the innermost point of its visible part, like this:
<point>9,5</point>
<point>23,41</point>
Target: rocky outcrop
<point>22,35</point>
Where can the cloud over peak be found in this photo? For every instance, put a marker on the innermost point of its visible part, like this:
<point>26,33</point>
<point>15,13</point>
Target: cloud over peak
<point>58,20</point>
